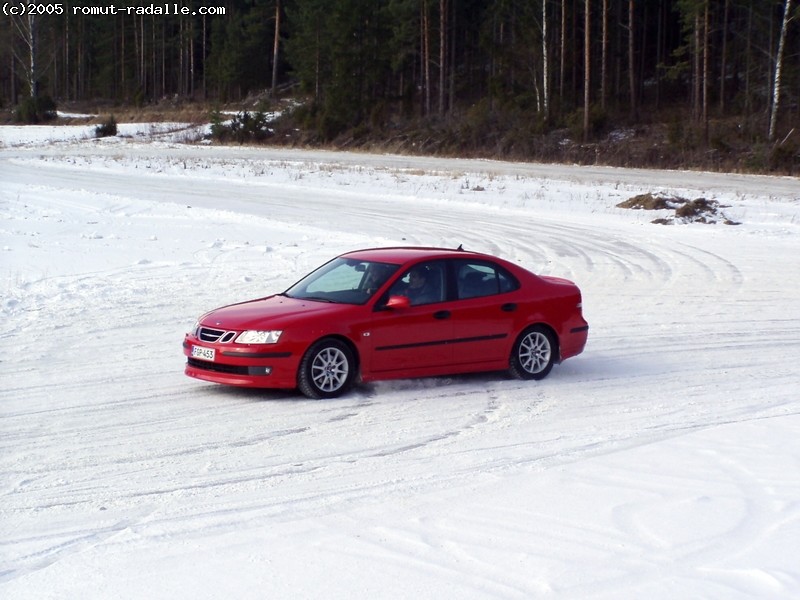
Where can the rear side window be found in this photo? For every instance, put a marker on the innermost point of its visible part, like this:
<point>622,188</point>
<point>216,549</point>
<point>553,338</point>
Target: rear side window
<point>477,279</point>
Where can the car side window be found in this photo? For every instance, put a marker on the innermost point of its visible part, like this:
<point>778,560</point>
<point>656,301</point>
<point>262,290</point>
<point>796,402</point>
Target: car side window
<point>422,284</point>
<point>478,279</point>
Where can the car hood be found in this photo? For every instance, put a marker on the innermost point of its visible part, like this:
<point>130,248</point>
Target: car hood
<point>270,312</point>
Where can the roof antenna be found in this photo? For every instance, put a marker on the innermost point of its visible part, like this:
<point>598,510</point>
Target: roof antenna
<point>460,247</point>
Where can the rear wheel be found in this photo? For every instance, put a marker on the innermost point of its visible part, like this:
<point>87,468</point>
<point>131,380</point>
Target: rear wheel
<point>327,369</point>
<point>534,354</point>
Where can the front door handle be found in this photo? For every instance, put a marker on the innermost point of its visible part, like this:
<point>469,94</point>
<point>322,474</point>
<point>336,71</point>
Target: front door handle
<point>441,314</point>
<point>509,307</point>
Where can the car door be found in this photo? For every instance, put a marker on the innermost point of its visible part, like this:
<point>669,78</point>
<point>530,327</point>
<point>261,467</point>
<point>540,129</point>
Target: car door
<point>484,315</point>
<point>408,338</point>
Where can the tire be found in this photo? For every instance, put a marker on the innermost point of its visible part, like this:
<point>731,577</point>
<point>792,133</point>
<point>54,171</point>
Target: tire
<point>534,354</point>
<point>327,369</point>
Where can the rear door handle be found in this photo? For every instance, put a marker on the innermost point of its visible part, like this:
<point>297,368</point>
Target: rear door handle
<point>441,314</point>
<point>509,307</point>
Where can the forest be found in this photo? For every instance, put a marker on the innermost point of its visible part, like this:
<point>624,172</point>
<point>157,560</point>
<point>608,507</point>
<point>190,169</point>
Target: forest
<point>714,83</point>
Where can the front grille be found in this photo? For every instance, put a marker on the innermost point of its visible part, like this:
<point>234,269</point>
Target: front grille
<point>218,368</point>
<point>207,334</point>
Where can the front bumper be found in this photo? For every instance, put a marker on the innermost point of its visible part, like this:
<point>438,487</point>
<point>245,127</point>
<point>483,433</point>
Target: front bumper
<point>242,366</point>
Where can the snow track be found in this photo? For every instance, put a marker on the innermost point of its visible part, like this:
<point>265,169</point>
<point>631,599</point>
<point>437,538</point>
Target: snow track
<point>663,462</point>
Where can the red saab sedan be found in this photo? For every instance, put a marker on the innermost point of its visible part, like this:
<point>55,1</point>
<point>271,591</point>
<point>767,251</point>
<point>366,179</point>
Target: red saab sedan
<point>390,313</point>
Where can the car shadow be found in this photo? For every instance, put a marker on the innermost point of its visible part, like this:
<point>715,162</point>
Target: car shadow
<point>257,394</point>
<point>371,390</point>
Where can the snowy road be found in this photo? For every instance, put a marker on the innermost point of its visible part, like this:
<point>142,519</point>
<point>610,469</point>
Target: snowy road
<point>663,462</point>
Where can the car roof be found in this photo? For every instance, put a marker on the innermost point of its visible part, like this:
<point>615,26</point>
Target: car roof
<point>404,254</point>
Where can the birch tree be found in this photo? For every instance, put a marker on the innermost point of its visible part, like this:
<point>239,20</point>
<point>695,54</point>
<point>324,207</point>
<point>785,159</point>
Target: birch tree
<point>27,31</point>
<point>776,86</point>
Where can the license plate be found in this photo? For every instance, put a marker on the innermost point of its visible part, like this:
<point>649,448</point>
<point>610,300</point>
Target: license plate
<point>203,353</point>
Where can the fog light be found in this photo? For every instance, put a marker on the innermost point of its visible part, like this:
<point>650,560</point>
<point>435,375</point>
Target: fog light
<point>259,371</point>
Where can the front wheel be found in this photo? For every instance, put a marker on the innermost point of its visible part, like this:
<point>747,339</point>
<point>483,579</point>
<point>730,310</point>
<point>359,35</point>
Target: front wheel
<point>327,370</point>
<point>534,354</point>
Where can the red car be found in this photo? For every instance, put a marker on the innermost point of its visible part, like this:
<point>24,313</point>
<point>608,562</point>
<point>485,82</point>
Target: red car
<point>390,313</point>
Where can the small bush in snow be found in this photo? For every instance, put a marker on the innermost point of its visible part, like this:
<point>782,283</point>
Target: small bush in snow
<point>242,127</point>
<point>107,128</point>
<point>35,110</point>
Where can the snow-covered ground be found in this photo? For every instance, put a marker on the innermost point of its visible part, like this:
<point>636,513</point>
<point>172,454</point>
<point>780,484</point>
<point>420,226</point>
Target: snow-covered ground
<point>664,462</point>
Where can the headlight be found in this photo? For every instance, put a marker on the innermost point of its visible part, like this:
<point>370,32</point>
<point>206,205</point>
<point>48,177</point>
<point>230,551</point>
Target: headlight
<point>259,337</point>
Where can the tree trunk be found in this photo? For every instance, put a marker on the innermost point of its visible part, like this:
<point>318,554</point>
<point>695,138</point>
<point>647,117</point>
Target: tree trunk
<point>33,76</point>
<point>123,60</point>
<point>67,94</point>
<point>748,63</point>
<point>776,87</point>
<point>182,59</point>
<point>317,62</point>
<point>604,59</point>
<point>426,61</point>
<point>140,54</point>
<point>697,66</point>
<point>706,52</point>
<point>632,60</point>
<point>26,27</point>
<point>659,50</point>
<point>587,55</point>
<point>163,59</point>
<point>724,65</point>
<point>191,60</point>
<point>545,65</point>
<point>442,53</point>
<point>452,36</point>
<point>275,48</point>
<point>562,66</point>
<point>14,95</point>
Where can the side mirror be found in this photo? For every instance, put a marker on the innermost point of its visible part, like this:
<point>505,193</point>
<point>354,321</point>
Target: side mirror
<point>396,302</point>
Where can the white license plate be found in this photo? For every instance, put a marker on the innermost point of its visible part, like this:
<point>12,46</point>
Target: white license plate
<point>203,353</point>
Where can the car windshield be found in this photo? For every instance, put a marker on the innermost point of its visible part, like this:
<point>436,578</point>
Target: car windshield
<point>343,280</point>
